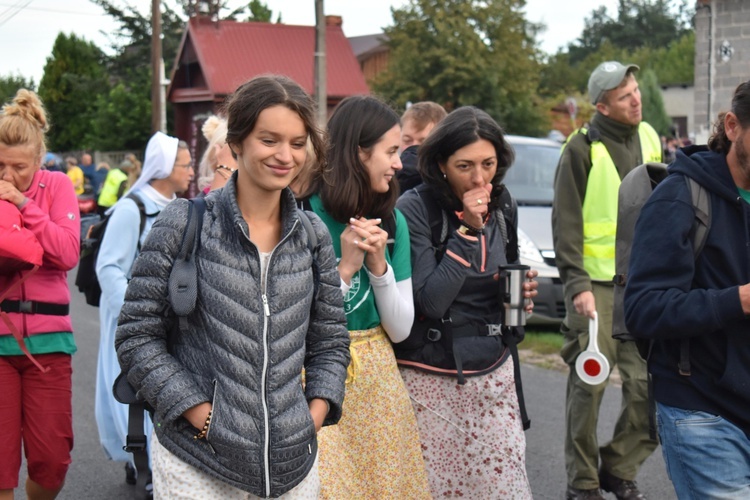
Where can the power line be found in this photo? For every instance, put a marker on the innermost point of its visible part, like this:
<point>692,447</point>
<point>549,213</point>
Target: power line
<point>13,6</point>
<point>8,15</point>
<point>56,11</point>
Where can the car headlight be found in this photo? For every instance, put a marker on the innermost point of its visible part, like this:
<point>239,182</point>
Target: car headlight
<point>527,249</point>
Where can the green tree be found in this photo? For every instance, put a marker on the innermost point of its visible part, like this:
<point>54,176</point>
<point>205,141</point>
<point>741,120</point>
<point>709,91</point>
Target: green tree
<point>123,115</point>
<point>673,64</point>
<point>651,23</point>
<point>131,42</point>
<point>459,52</point>
<point>259,12</point>
<point>74,76</point>
<point>9,85</point>
<point>653,105</point>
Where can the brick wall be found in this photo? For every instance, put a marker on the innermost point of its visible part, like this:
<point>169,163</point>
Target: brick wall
<point>721,63</point>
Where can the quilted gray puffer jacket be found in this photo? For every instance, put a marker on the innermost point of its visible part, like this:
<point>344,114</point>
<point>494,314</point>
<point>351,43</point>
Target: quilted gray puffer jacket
<point>248,341</point>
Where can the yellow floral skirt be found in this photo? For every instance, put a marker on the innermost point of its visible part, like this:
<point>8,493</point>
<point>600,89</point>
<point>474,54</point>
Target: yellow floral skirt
<point>374,451</point>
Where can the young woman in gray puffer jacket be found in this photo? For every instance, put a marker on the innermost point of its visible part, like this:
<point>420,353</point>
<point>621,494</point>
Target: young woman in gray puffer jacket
<point>232,414</point>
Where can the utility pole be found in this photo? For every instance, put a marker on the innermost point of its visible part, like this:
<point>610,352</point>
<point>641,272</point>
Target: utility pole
<point>320,64</point>
<point>156,67</point>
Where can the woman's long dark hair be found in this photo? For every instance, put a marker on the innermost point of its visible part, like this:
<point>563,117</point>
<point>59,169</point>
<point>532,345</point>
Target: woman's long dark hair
<point>719,142</point>
<point>357,123</point>
<point>464,126</point>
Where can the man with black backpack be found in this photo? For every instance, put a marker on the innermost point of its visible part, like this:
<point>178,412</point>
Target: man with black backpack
<point>584,219</point>
<point>674,294</point>
<point>167,170</point>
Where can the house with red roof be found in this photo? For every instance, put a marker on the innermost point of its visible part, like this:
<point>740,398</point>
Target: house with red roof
<point>215,57</point>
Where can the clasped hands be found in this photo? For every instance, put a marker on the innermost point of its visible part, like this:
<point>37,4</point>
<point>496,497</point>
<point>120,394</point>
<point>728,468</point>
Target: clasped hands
<point>363,242</point>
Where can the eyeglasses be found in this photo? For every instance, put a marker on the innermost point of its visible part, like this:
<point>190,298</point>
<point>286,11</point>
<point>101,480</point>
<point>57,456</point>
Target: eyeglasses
<point>186,166</point>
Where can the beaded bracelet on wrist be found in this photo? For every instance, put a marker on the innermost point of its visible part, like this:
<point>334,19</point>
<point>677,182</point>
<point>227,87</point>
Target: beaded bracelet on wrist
<point>204,431</point>
<point>471,230</point>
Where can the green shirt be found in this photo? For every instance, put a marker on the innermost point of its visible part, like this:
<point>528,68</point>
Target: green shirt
<point>745,194</point>
<point>359,303</point>
<point>45,343</point>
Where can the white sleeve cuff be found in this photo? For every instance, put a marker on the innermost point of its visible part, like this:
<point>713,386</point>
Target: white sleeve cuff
<point>384,280</point>
<point>344,287</point>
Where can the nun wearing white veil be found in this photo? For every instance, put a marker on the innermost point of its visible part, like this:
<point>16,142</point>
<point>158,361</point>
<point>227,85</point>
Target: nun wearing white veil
<point>167,171</point>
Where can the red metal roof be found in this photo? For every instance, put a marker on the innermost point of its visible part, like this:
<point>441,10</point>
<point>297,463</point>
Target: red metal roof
<point>230,53</point>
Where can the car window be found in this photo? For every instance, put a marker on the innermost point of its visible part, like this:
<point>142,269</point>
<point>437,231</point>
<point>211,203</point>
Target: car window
<point>531,178</point>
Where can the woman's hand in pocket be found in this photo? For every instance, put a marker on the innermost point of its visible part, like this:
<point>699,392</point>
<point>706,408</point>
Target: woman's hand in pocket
<point>198,414</point>
<point>318,411</point>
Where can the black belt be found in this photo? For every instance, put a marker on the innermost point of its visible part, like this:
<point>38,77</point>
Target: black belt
<point>34,307</point>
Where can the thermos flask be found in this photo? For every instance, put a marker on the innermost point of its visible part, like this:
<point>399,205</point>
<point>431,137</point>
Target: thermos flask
<point>512,278</point>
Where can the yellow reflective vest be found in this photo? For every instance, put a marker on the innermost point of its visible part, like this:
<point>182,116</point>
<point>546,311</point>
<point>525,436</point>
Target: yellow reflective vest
<point>600,204</point>
<point>108,196</point>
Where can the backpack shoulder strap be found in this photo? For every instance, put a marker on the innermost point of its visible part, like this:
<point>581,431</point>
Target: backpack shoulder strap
<point>701,225</point>
<point>183,279</point>
<point>437,218</point>
<point>312,238</point>
<point>506,218</point>
<point>142,211</point>
<point>702,206</point>
<point>312,245</point>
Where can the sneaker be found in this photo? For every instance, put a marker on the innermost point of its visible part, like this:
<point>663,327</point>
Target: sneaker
<point>130,475</point>
<point>579,494</point>
<point>623,489</point>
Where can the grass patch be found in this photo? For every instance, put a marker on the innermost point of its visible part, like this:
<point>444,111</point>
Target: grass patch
<point>543,342</point>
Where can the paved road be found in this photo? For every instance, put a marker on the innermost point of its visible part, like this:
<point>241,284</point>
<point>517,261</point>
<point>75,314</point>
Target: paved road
<point>92,476</point>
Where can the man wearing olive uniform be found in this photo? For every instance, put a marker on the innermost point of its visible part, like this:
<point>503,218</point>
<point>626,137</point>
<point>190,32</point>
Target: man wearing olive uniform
<point>584,219</point>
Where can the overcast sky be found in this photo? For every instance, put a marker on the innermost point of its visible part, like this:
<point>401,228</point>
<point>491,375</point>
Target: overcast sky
<point>28,28</point>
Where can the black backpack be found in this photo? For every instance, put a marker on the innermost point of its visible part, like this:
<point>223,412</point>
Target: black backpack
<point>182,293</point>
<point>426,330</point>
<point>86,279</point>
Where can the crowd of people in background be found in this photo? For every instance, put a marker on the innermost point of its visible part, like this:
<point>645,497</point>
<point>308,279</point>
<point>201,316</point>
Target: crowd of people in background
<point>347,340</point>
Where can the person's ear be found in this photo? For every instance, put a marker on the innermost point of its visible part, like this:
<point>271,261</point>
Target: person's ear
<point>732,126</point>
<point>236,150</point>
<point>602,108</point>
<point>443,168</point>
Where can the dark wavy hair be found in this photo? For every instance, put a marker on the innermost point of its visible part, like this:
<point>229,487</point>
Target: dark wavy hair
<point>464,126</point>
<point>719,142</point>
<point>344,185</point>
<point>252,97</point>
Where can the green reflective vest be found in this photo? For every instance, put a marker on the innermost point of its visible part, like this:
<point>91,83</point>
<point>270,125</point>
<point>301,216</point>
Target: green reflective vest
<point>600,204</point>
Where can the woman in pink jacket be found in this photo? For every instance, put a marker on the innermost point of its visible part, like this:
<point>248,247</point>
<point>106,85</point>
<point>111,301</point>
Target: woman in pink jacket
<point>40,415</point>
